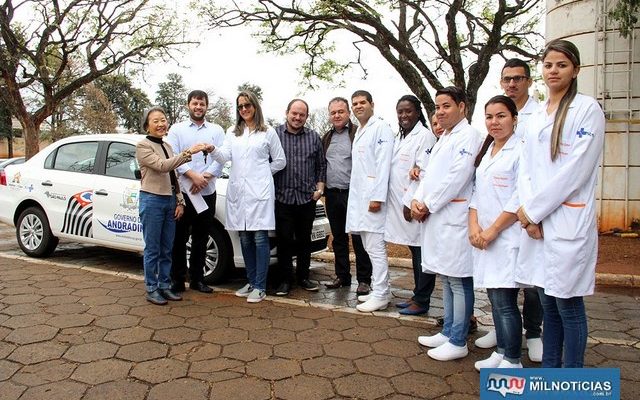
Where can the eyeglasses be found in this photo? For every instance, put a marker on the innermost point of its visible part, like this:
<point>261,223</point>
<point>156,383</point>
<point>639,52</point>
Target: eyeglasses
<point>516,79</point>
<point>245,106</point>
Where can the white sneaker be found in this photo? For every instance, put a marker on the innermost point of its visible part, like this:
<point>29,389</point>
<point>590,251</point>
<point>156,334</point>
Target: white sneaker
<point>373,304</point>
<point>487,341</point>
<point>448,351</point>
<point>492,362</point>
<point>364,297</point>
<point>433,341</point>
<point>535,349</point>
<point>507,364</point>
<point>244,291</point>
<point>256,296</point>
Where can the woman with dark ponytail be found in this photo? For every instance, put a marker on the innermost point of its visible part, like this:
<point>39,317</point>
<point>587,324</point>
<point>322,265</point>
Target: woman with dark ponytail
<point>558,171</point>
<point>493,231</point>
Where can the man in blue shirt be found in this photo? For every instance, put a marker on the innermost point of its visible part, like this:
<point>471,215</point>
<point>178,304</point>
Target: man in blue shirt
<point>298,187</point>
<point>197,182</point>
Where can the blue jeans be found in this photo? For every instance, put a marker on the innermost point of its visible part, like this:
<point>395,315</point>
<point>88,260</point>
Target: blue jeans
<point>158,230</point>
<point>565,328</point>
<point>424,282</point>
<point>457,296</point>
<point>255,251</point>
<point>508,322</point>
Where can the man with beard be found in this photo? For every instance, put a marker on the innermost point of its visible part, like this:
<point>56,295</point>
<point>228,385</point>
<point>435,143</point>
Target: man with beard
<point>197,181</point>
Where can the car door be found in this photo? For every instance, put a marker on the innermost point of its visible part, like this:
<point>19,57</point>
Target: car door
<point>67,186</point>
<point>115,217</point>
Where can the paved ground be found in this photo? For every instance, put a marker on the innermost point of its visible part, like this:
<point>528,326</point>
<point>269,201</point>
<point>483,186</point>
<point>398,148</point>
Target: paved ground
<point>76,326</point>
<point>71,333</point>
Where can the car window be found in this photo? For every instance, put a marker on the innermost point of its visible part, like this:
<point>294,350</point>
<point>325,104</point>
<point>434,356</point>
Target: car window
<point>121,160</point>
<point>74,157</point>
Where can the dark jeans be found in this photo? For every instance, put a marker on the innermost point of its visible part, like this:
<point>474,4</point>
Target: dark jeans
<point>201,226</point>
<point>565,328</point>
<point>293,230</point>
<point>424,283</point>
<point>532,313</point>
<point>508,321</point>
<point>336,204</point>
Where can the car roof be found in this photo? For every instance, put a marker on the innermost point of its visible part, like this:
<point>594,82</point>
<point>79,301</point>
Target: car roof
<point>8,161</point>
<point>133,137</point>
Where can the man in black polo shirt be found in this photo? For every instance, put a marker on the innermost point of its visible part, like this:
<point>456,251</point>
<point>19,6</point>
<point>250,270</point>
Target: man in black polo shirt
<point>337,149</point>
<point>298,186</point>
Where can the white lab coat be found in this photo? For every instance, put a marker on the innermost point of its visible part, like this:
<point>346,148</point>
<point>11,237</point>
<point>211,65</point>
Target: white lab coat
<point>530,107</point>
<point>406,153</point>
<point>495,192</point>
<point>371,154</point>
<point>563,195</point>
<point>250,201</point>
<point>446,190</point>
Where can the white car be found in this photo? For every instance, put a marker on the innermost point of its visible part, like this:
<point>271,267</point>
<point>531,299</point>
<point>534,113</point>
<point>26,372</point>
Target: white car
<point>85,188</point>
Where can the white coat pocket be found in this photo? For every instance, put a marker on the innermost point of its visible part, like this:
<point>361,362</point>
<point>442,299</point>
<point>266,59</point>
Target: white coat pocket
<point>259,189</point>
<point>570,220</point>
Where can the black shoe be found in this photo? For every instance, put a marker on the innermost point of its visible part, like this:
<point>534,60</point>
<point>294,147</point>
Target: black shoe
<point>473,325</point>
<point>169,295</point>
<point>200,287</point>
<point>156,298</point>
<point>308,285</point>
<point>336,283</point>
<point>363,289</point>
<point>178,287</point>
<point>283,289</point>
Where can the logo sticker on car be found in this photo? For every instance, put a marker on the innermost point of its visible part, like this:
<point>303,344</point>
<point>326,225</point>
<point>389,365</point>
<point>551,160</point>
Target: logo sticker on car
<point>77,217</point>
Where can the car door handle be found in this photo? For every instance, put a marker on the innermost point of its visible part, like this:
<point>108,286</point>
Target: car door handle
<point>46,183</point>
<point>101,192</point>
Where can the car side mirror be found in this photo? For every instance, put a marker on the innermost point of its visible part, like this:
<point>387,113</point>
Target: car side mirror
<point>137,174</point>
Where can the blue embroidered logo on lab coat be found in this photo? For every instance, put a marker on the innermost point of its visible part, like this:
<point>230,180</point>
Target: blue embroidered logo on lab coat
<point>582,133</point>
<point>463,152</point>
<point>380,141</point>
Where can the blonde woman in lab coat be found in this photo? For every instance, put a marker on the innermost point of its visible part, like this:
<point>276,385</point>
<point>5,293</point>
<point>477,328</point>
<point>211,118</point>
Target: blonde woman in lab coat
<point>442,201</point>
<point>493,230</point>
<point>562,147</point>
<point>256,154</point>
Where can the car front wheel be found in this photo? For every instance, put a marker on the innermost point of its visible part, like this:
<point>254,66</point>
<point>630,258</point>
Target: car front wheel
<point>34,234</point>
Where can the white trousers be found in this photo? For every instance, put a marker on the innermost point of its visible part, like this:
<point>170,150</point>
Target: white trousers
<point>375,245</point>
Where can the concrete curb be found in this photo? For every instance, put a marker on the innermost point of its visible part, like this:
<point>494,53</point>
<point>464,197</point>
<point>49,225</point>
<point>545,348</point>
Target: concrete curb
<point>618,280</point>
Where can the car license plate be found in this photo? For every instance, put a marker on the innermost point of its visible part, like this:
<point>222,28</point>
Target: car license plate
<point>317,233</point>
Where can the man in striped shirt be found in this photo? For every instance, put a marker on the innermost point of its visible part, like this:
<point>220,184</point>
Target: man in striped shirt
<point>298,187</point>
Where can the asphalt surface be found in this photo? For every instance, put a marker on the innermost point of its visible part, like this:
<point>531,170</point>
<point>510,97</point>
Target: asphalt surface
<point>76,326</point>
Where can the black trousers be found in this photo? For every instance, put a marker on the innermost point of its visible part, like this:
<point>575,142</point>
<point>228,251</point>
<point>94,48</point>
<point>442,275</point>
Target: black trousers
<point>294,223</point>
<point>336,204</point>
<point>201,226</point>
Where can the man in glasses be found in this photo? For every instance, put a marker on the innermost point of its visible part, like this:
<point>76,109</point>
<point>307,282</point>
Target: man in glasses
<point>298,187</point>
<point>198,183</point>
<point>516,81</point>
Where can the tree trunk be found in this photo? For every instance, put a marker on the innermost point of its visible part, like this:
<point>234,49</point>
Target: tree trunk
<point>31,134</point>
<point>10,144</point>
